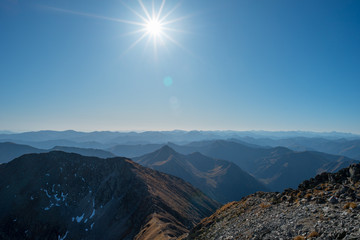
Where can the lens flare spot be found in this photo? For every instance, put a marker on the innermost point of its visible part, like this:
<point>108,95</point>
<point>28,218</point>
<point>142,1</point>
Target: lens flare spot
<point>168,81</point>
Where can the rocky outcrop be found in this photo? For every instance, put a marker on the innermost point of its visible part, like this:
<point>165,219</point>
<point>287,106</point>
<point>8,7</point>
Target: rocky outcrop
<point>324,207</point>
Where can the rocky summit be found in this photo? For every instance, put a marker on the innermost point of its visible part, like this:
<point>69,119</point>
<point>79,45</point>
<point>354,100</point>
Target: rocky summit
<point>324,207</point>
<point>61,195</point>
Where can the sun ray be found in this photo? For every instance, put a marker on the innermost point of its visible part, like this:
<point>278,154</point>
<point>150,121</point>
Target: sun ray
<point>175,30</point>
<point>144,9</point>
<point>175,20</point>
<point>134,32</point>
<point>133,11</point>
<point>153,10</point>
<point>170,12</point>
<point>160,9</point>
<point>94,16</point>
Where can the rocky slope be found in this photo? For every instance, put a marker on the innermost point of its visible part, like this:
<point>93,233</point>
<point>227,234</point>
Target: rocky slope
<point>221,180</point>
<point>60,195</point>
<point>324,207</point>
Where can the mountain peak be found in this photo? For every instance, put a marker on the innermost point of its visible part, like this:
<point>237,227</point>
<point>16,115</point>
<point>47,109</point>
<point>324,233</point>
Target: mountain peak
<point>219,179</point>
<point>166,151</point>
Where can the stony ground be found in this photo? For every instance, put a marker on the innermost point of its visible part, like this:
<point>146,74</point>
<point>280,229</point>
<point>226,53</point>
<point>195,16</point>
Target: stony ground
<point>325,207</point>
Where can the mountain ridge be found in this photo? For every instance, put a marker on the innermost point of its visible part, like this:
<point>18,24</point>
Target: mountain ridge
<point>64,194</point>
<point>221,180</point>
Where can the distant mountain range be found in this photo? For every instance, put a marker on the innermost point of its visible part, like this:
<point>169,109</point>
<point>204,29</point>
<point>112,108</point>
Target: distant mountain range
<point>9,151</point>
<point>106,139</point>
<point>277,168</point>
<point>221,180</point>
<point>345,147</point>
<point>134,150</point>
<point>61,195</point>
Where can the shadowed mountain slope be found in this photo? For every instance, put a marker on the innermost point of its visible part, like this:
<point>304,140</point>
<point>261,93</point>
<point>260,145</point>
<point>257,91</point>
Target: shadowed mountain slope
<point>9,151</point>
<point>60,195</point>
<point>280,171</point>
<point>221,180</point>
<point>278,167</point>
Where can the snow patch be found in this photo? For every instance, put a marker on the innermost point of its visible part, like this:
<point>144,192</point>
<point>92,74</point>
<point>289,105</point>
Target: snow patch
<point>62,238</point>
<point>48,208</point>
<point>47,194</point>
<point>93,214</point>
<point>79,219</point>
<point>57,198</point>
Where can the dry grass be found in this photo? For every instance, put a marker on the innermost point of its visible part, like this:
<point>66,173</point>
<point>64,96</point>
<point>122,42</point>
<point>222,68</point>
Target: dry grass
<point>299,238</point>
<point>350,205</point>
<point>265,205</point>
<point>313,234</point>
<point>308,195</point>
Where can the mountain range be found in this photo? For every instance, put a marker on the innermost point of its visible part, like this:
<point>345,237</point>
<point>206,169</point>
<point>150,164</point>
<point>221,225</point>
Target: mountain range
<point>221,180</point>
<point>106,139</point>
<point>346,147</point>
<point>61,195</point>
<point>278,168</point>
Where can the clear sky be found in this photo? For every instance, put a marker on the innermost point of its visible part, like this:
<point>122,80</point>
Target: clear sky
<point>239,65</point>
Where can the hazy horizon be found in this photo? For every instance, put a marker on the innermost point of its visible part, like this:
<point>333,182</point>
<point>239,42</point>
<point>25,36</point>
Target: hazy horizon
<point>4,131</point>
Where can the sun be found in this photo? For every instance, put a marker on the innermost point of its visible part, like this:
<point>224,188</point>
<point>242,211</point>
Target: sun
<point>154,27</point>
<point>155,23</point>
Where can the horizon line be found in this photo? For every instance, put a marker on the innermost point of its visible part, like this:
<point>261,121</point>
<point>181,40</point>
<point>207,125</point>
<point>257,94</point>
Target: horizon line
<point>182,130</point>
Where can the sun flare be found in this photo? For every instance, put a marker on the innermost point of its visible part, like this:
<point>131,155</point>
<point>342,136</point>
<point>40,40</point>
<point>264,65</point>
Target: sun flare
<point>156,24</point>
<point>154,27</point>
<point>154,21</point>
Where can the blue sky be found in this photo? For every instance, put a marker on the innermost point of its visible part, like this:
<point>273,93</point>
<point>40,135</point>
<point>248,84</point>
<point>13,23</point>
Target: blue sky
<point>242,65</point>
